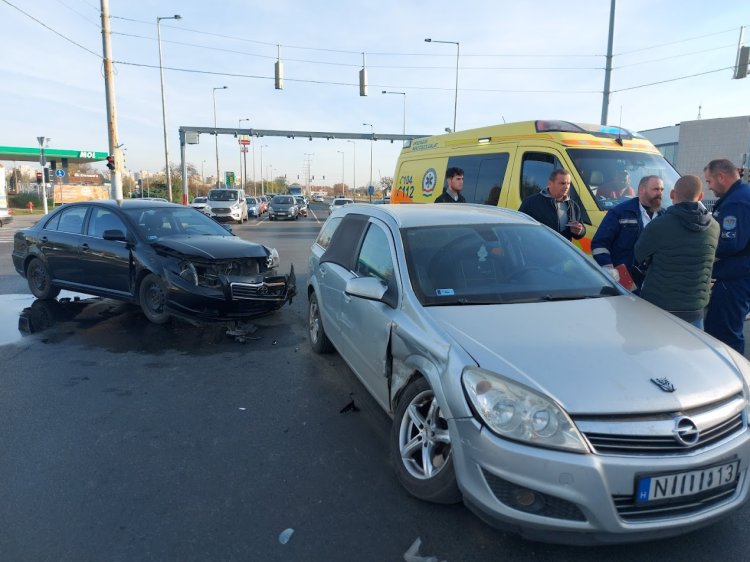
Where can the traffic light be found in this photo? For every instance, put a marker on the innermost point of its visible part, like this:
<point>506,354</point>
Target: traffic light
<point>46,175</point>
<point>39,177</point>
<point>111,162</point>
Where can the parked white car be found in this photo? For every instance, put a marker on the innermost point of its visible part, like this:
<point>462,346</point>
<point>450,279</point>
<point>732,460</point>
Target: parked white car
<point>227,204</point>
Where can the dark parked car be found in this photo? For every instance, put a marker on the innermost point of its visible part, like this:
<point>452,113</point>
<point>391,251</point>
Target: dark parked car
<point>283,207</point>
<point>167,258</point>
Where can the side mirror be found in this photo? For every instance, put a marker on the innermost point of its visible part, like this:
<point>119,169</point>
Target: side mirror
<point>368,288</point>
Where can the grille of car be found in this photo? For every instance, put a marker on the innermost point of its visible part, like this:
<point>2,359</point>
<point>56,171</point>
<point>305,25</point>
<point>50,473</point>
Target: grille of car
<point>656,435</point>
<point>629,510</point>
<point>257,291</point>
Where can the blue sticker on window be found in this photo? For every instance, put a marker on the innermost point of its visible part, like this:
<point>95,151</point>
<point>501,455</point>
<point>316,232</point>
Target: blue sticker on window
<point>444,292</point>
<point>729,223</point>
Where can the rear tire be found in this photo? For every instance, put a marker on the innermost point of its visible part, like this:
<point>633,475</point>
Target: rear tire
<point>152,295</point>
<point>318,339</point>
<point>40,281</point>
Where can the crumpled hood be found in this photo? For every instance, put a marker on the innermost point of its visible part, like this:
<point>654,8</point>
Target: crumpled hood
<point>212,247</point>
<point>595,356</point>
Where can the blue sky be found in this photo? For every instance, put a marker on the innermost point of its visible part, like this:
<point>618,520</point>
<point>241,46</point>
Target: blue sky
<point>536,59</point>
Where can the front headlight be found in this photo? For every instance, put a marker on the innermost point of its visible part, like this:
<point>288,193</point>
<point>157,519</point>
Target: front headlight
<point>516,412</point>
<point>188,272</point>
<point>235,206</point>
<point>272,261</point>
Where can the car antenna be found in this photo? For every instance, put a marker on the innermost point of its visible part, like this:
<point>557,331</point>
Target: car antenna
<point>618,140</point>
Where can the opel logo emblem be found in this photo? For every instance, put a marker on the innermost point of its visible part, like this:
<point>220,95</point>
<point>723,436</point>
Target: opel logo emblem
<point>685,431</point>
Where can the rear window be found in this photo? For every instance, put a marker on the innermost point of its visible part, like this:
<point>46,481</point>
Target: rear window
<point>282,200</point>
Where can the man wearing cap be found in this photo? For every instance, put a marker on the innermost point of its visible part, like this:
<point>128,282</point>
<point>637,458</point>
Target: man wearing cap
<point>730,296</point>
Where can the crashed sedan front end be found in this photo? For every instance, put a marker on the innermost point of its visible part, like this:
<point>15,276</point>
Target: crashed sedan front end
<point>236,288</point>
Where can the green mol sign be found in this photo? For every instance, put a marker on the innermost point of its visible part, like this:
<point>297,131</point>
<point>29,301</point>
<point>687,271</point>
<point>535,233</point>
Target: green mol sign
<point>229,179</point>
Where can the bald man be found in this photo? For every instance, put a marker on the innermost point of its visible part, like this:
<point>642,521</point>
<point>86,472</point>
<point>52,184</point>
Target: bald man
<point>677,251</point>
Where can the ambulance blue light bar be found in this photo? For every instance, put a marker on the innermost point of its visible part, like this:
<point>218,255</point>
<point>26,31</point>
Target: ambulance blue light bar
<point>608,131</point>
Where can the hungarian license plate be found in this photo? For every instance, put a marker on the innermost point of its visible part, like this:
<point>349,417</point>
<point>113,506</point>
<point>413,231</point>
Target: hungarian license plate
<point>681,484</point>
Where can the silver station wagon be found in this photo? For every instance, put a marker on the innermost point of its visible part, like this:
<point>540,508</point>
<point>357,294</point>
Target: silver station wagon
<point>525,382</point>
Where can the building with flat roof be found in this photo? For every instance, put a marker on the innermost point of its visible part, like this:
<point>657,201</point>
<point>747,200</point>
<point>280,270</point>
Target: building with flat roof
<point>690,145</point>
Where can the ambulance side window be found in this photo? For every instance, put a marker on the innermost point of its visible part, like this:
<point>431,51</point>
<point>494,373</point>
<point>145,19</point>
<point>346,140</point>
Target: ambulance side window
<point>483,176</point>
<point>536,168</point>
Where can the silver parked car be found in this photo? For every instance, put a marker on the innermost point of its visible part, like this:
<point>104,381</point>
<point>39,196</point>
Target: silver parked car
<point>524,381</point>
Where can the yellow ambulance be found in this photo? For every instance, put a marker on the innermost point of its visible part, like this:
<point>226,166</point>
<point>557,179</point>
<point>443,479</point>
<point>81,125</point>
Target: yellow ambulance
<point>504,164</point>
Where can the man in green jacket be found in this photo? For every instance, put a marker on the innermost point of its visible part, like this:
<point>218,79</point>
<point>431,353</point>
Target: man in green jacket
<point>678,250</point>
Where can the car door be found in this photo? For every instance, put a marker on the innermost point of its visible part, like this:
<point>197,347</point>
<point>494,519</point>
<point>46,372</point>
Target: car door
<point>107,263</point>
<point>366,324</point>
<point>59,242</point>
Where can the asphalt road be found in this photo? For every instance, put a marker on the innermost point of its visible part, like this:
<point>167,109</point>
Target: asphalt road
<point>121,440</point>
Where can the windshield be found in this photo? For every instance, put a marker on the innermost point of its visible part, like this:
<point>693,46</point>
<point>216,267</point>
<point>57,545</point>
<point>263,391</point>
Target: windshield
<point>282,200</point>
<point>612,176</point>
<point>498,264</point>
<point>161,222</point>
<point>251,201</point>
<point>199,200</point>
<point>341,201</point>
<point>223,195</point>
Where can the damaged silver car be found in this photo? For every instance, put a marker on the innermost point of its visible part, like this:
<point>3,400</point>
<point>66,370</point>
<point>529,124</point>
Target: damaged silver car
<point>523,381</point>
<point>167,258</point>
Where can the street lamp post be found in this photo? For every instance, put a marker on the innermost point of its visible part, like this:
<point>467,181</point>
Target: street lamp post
<point>372,136</point>
<point>458,54</point>
<point>354,165</point>
<point>262,192</point>
<point>343,189</point>
<point>203,173</point>
<point>403,130</point>
<point>163,105</point>
<point>243,150</point>
<point>216,134</point>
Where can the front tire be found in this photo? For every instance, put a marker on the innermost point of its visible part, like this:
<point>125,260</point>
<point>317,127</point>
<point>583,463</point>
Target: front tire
<point>318,339</point>
<point>152,295</point>
<point>420,445</point>
<point>40,281</point>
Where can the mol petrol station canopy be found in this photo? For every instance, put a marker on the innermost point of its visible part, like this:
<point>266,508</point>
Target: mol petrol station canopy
<point>57,158</point>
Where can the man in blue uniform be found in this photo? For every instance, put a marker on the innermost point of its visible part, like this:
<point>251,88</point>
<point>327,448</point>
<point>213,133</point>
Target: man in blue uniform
<point>730,296</point>
<point>615,238</point>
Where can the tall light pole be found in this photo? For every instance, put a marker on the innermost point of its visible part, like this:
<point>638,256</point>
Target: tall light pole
<point>262,192</point>
<point>163,105</point>
<point>203,173</point>
<point>343,189</point>
<point>218,180</point>
<point>458,54</point>
<point>372,135</point>
<point>403,94</point>
<point>243,150</point>
<point>354,166</point>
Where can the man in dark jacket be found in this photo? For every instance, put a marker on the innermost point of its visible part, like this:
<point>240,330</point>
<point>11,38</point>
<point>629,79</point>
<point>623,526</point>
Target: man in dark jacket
<point>730,296</point>
<point>554,208</point>
<point>454,178</point>
<point>679,249</point>
<point>615,238</point>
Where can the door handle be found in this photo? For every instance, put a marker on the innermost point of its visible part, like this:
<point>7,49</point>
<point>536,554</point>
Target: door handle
<point>85,247</point>
<point>43,238</point>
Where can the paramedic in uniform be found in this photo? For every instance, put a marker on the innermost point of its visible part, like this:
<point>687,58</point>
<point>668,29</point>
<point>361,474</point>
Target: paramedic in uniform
<point>730,296</point>
<point>614,241</point>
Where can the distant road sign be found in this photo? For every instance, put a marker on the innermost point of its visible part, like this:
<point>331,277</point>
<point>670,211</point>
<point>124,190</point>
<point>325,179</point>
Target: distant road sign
<point>60,173</point>
<point>370,190</point>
